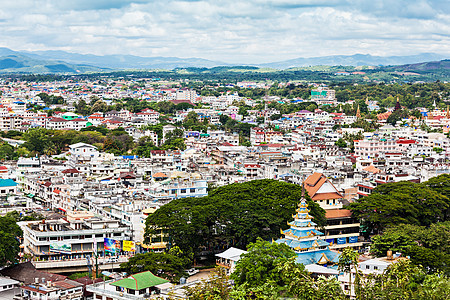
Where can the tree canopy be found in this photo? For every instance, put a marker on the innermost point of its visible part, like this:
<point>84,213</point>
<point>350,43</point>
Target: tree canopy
<point>232,215</point>
<point>170,265</point>
<point>10,233</point>
<point>401,203</point>
<point>260,263</point>
<point>426,246</point>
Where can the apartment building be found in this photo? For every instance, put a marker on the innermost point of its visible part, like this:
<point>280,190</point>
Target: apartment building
<point>75,238</point>
<point>373,147</point>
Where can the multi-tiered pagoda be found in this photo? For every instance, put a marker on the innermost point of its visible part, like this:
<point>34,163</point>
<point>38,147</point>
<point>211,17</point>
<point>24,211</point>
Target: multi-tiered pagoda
<point>303,238</point>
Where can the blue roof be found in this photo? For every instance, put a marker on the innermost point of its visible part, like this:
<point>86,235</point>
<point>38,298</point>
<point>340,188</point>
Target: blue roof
<point>7,182</point>
<point>303,244</point>
<point>313,257</point>
<point>302,233</point>
<point>302,223</point>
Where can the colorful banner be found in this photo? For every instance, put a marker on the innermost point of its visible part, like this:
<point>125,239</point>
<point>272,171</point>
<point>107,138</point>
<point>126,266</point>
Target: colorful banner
<point>61,247</point>
<point>128,246</point>
<point>112,247</point>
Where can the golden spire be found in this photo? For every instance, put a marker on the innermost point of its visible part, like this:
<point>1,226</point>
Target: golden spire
<point>367,100</point>
<point>358,113</point>
<point>447,115</point>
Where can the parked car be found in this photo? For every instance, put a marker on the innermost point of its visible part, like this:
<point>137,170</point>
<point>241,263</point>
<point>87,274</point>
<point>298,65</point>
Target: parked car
<point>192,271</point>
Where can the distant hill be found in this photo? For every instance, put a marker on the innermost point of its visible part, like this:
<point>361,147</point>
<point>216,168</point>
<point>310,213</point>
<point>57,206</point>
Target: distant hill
<point>353,60</point>
<point>425,66</point>
<point>125,61</point>
<point>65,62</point>
<point>17,63</point>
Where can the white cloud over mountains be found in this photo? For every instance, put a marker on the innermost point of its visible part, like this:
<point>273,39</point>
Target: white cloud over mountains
<point>231,31</point>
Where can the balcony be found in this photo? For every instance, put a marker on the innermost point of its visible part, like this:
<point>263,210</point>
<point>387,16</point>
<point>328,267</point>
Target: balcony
<point>103,263</point>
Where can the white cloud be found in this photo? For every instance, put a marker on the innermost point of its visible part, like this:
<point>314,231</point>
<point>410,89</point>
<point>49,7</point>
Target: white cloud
<point>233,31</point>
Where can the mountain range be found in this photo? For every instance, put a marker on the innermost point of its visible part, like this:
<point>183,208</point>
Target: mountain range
<point>55,61</point>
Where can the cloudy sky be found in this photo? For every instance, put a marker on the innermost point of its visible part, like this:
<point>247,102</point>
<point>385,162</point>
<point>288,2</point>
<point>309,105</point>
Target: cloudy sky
<point>232,31</point>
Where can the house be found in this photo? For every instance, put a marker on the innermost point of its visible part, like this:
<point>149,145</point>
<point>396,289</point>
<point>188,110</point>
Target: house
<point>137,286</point>
<point>66,289</point>
<point>83,150</point>
<point>56,123</point>
<point>7,186</point>
<point>229,258</point>
<point>322,191</point>
<point>342,229</point>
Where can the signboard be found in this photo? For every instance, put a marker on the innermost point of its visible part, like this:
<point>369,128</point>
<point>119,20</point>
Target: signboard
<point>128,246</point>
<point>112,247</point>
<point>341,241</point>
<point>353,239</point>
<point>61,247</point>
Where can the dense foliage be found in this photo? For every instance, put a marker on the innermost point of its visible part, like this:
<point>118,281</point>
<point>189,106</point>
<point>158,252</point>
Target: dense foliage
<point>170,265</point>
<point>400,281</point>
<point>260,263</point>
<point>402,203</point>
<point>232,215</point>
<point>10,233</point>
<point>426,246</point>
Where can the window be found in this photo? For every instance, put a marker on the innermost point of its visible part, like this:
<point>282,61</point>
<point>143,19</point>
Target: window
<point>375,267</point>
<point>130,291</point>
<point>192,190</point>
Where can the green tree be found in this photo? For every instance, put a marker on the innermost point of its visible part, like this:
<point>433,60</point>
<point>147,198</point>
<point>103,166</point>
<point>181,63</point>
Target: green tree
<point>217,286</point>
<point>167,265</point>
<point>348,260</point>
<point>401,202</point>
<point>7,152</point>
<point>82,108</point>
<point>37,140</point>
<point>426,246</point>
<point>341,143</point>
<point>10,233</point>
<point>259,264</point>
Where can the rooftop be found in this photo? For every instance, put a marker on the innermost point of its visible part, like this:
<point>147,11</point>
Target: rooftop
<point>140,281</point>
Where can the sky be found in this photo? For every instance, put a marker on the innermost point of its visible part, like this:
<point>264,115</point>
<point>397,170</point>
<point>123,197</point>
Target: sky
<point>252,31</point>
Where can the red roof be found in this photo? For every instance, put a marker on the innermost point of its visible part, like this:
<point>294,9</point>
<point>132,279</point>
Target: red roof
<point>252,166</point>
<point>53,119</point>
<point>70,171</point>
<point>404,141</point>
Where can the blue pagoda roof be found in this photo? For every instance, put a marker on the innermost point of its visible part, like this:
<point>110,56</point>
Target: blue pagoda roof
<point>304,233</point>
<point>298,245</point>
<point>324,256</point>
<point>302,223</point>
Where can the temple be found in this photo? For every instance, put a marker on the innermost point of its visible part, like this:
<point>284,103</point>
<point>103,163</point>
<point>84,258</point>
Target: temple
<point>397,105</point>
<point>303,238</point>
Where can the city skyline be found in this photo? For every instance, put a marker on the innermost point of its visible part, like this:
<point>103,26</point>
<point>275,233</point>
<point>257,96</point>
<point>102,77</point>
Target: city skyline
<point>254,31</point>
